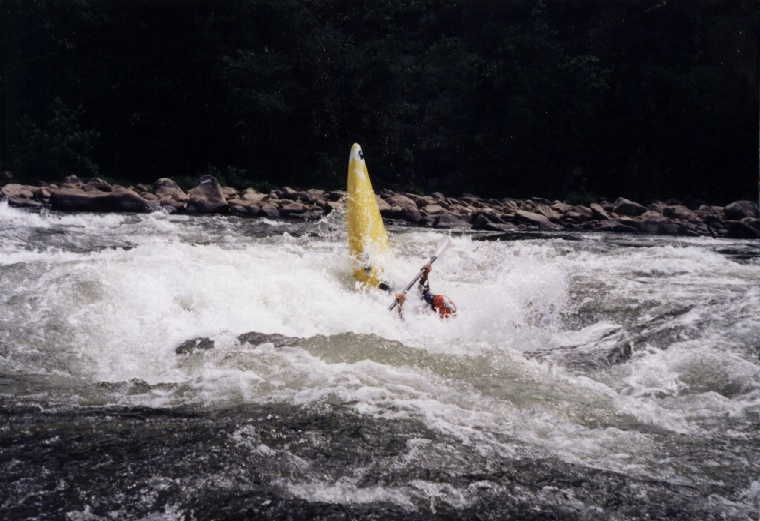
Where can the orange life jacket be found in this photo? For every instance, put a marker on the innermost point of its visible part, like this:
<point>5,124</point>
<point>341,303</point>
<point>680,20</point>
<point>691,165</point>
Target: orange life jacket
<point>443,306</point>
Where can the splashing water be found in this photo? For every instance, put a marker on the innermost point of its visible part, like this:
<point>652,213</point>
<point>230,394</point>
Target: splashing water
<point>589,352</point>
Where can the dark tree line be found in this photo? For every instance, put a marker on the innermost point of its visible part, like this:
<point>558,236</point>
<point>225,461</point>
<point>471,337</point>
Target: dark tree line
<point>565,98</point>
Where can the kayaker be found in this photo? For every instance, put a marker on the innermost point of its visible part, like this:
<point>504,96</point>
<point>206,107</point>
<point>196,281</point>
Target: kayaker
<point>441,304</point>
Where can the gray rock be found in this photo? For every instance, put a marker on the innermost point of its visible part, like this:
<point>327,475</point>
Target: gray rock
<point>740,209</point>
<point>121,200</point>
<point>482,219</point>
<point>448,220</point>
<point>72,179</point>
<point>253,196</point>
<point>627,207</point>
<point>240,210</point>
<point>611,225</point>
<point>402,202</point>
<point>288,193</point>
<point>269,210</point>
<point>679,212</point>
<point>747,228</point>
<point>207,197</point>
<point>230,192</point>
<point>292,208</point>
<point>20,202</point>
<point>432,209</point>
<point>96,183</point>
<point>255,338</point>
<point>547,211</point>
<point>535,219</point>
<point>17,191</point>
<point>381,204</point>
<point>598,212</point>
<point>412,215</point>
<point>336,195</point>
<point>194,345</point>
<point>167,188</point>
<point>392,212</point>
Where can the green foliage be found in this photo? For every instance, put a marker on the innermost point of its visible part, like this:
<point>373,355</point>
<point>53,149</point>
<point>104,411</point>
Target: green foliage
<point>501,98</point>
<point>58,146</point>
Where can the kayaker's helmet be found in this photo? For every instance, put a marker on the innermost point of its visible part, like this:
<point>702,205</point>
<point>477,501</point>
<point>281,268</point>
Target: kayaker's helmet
<point>444,306</point>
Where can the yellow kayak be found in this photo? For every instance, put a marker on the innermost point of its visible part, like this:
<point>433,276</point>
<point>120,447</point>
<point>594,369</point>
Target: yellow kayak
<point>367,238</point>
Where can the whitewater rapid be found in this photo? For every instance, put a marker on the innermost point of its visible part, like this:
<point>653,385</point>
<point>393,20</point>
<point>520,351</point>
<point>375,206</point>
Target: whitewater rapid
<point>94,306</point>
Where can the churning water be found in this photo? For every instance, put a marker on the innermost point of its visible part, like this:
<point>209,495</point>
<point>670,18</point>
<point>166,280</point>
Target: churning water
<point>585,377</point>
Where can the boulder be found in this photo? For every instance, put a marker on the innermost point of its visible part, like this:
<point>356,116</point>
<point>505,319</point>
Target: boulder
<point>402,202</point>
<point>42,193</point>
<point>629,208</point>
<point>498,227</point>
<point>314,196</point>
<point>252,196</point>
<point>381,204</point>
<point>611,225</point>
<point>547,211</point>
<point>336,195</point>
<point>287,192</point>
<point>292,208</point>
<point>412,215</point>
<point>739,210</point>
<point>508,205</point>
<point>237,209</point>
<point>461,210</point>
<point>166,188</point>
<point>655,223</point>
<point>207,197</point>
<point>255,338</point>
<point>391,212</point>
<point>449,220</point>
<point>17,191</point>
<point>269,210</point>
<point>597,212</point>
<point>96,183</point>
<point>706,209</point>
<point>535,219</point>
<point>72,179</point>
<point>194,345</point>
<point>484,219</point>
<point>431,209</point>
<point>420,200</point>
<point>746,228</point>
<point>679,211</point>
<point>121,200</point>
<point>561,207</point>
<point>229,192</point>
<point>172,205</point>
<point>22,196</point>
<point>334,205</point>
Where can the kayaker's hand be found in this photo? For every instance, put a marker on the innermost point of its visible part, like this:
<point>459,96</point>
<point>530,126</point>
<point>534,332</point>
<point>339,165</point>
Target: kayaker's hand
<point>426,269</point>
<point>400,298</point>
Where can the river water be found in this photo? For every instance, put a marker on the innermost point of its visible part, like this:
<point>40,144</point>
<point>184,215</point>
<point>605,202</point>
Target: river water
<point>587,376</point>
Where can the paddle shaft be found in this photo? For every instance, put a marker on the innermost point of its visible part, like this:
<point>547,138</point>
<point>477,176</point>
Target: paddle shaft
<point>415,279</point>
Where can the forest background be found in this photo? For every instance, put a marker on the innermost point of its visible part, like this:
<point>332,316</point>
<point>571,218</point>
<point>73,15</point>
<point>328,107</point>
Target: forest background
<point>569,99</point>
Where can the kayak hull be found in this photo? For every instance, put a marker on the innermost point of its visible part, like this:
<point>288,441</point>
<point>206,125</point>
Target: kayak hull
<point>367,237</point>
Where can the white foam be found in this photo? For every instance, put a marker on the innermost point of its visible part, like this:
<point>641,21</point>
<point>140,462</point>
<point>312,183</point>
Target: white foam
<point>118,314</point>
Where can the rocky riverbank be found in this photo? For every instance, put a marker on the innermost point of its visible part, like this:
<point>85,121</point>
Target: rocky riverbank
<point>739,219</point>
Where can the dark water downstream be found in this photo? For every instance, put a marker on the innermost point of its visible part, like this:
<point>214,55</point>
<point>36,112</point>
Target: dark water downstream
<point>603,377</point>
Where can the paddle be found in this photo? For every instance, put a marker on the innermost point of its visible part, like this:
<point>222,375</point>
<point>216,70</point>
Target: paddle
<point>438,253</point>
